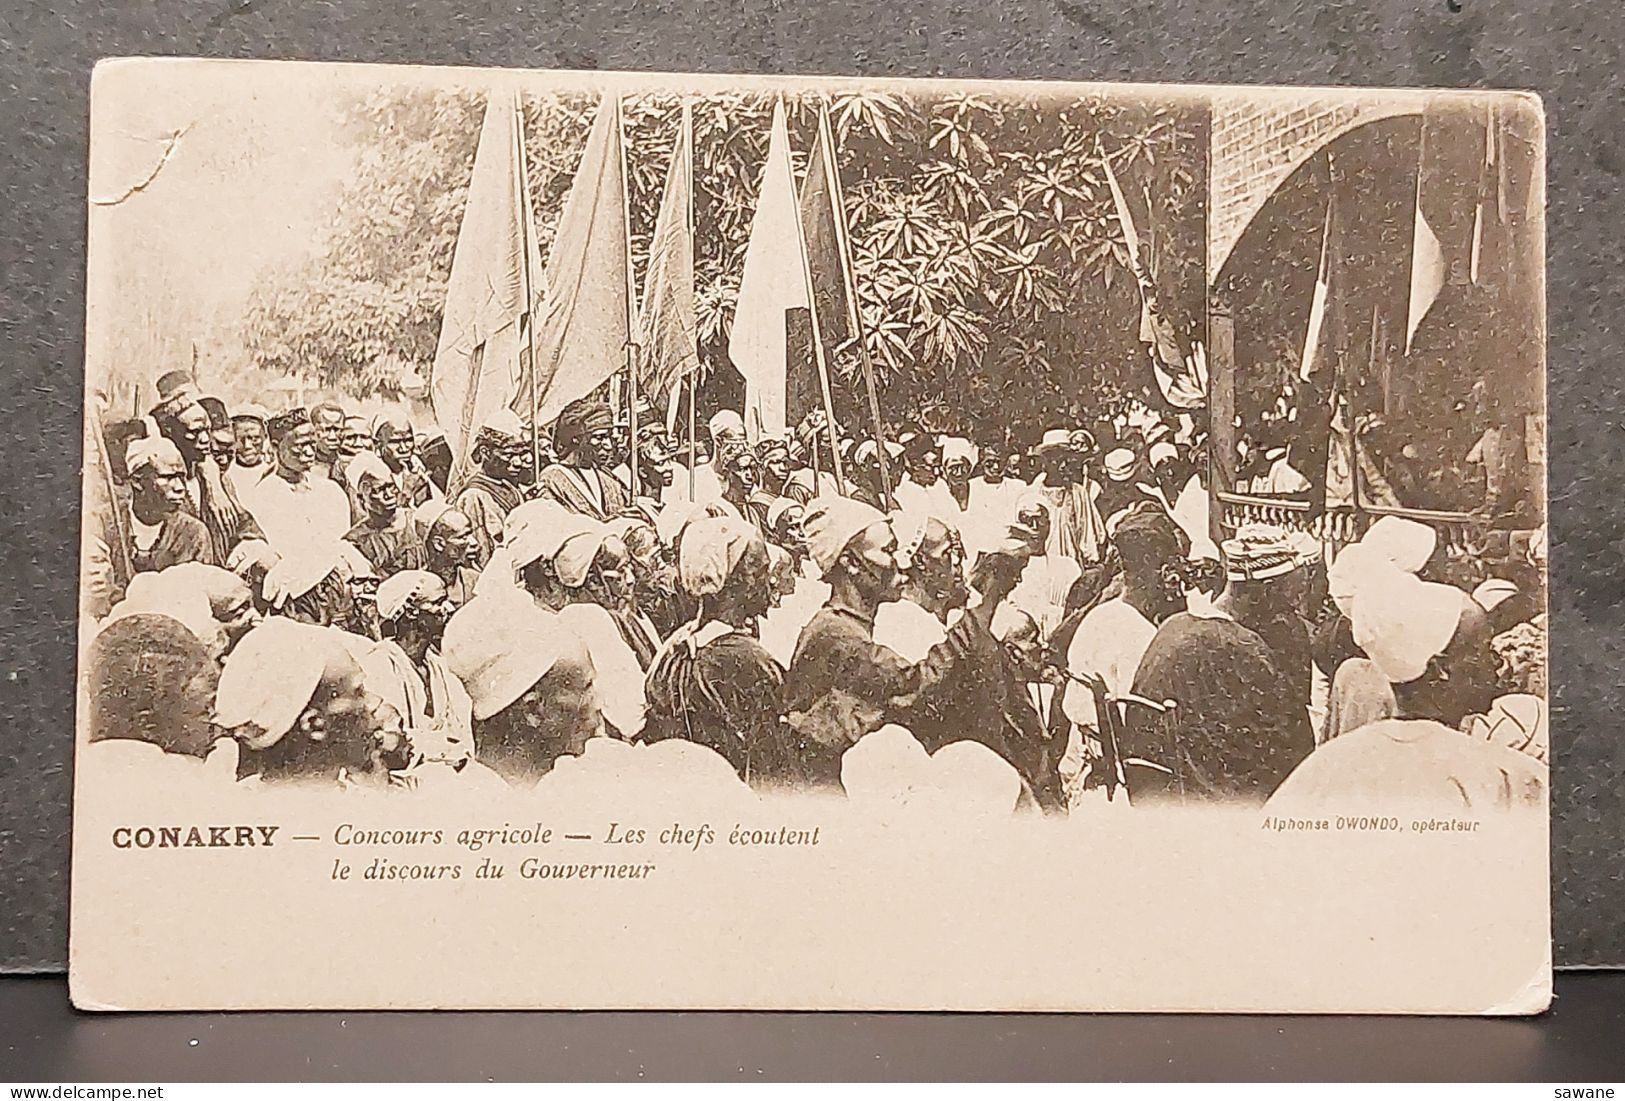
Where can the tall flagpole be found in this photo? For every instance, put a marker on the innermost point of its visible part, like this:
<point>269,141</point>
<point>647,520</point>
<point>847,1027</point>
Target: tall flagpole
<point>818,340</point>
<point>693,387</point>
<point>529,291</point>
<point>631,306</point>
<point>854,314</point>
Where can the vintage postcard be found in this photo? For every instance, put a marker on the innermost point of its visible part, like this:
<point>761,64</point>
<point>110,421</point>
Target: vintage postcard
<point>589,540</point>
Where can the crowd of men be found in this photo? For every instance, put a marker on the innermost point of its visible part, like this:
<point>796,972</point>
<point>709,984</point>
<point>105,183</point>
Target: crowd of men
<point>313,597</point>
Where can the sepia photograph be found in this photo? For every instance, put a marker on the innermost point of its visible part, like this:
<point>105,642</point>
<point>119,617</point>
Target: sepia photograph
<point>625,532</point>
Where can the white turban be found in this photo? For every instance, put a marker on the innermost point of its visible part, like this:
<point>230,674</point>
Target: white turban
<point>143,451</point>
<point>957,447</point>
<point>711,548</point>
<point>174,593</point>
<point>499,645</point>
<point>833,522</point>
<point>1355,566</point>
<point>300,570</point>
<point>425,515</point>
<point>1406,543</point>
<point>364,463</point>
<point>1262,551</point>
<point>909,528</point>
<point>1404,622</point>
<point>538,530</point>
<point>1492,591</point>
<point>270,677</point>
<point>397,590</point>
<point>726,422</point>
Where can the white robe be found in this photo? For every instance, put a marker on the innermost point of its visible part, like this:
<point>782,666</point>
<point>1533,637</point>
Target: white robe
<point>292,517</point>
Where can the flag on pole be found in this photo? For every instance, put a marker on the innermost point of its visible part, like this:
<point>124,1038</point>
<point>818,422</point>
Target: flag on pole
<point>1319,356</point>
<point>484,330</point>
<point>1489,214</point>
<point>1450,206</point>
<point>1175,370</point>
<point>773,282</point>
<point>1427,270</point>
<point>583,326</point>
<point>667,329</point>
<point>822,227</point>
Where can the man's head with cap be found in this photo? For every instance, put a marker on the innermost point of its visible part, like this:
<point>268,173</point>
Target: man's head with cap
<point>854,543</point>
<point>248,431</point>
<point>723,563</point>
<point>1432,643</point>
<point>935,562</point>
<point>501,449</point>
<point>157,477</point>
<point>1118,465</point>
<point>530,682</point>
<point>181,418</point>
<point>294,439</point>
<point>1408,544</point>
<point>773,456</point>
<point>373,484</point>
<point>1266,573</point>
<point>413,608</point>
<point>1054,454</point>
<point>726,427</point>
<point>294,696</point>
<point>394,438</point>
<point>551,549</point>
<point>222,438</point>
<point>958,460</point>
<point>585,434</point>
<point>448,536</point>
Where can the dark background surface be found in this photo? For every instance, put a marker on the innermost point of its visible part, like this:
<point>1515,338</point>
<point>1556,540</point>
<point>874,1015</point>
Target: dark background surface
<point>1569,52</point>
<point>42,1040</point>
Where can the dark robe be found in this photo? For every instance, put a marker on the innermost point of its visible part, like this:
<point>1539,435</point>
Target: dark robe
<point>486,502</point>
<point>571,487</point>
<point>725,693</point>
<point>391,548</point>
<point>1238,729</point>
<point>181,538</point>
<point>969,690</point>
<point>211,499</point>
<point>841,685</point>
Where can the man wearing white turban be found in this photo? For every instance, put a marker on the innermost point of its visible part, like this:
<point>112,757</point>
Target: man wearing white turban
<point>157,532</point>
<point>553,553</point>
<point>413,609</point>
<point>531,686</point>
<point>1431,642</point>
<point>712,682</point>
<point>385,533</point>
<point>294,697</point>
<point>841,682</point>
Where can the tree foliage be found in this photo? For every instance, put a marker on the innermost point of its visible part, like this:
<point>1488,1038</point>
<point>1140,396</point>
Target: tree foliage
<point>989,263</point>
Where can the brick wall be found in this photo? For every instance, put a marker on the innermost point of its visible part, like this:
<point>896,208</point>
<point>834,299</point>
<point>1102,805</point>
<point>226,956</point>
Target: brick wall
<point>1259,138</point>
